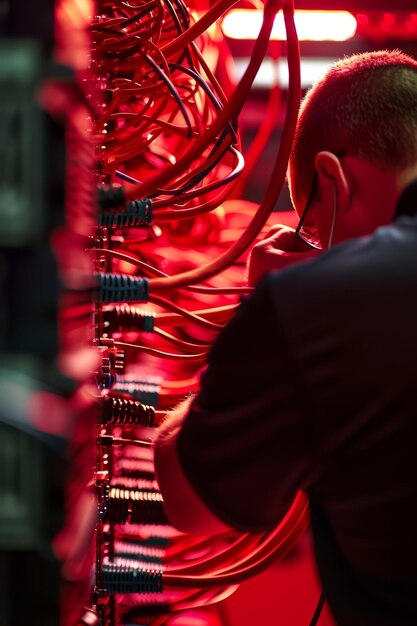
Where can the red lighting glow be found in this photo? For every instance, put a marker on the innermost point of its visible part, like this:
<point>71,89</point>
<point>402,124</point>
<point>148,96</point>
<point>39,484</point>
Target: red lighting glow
<point>311,25</point>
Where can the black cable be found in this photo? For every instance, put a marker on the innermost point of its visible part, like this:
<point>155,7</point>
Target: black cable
<point>203,84</point>
<point>173,91</point>
<point>180,29</point>
<point>197,178</point>
<point>319,608</point>
<point>135,18</point>
<point>184,12</point>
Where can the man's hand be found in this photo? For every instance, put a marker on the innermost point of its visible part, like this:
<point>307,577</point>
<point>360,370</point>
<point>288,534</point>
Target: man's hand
<point>278,250</point>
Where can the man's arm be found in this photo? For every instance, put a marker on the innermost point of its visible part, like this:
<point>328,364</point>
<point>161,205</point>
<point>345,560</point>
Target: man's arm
<point>183,507</point>
<point>236,455</point>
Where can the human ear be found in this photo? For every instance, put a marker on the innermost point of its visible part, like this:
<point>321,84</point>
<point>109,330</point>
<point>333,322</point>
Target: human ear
<point>332,178</point>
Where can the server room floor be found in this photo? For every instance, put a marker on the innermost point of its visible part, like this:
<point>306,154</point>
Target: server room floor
<point>285,595</point>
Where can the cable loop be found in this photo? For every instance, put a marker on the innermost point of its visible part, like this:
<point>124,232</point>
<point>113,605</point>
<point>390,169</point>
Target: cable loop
<point>122,288</point>
<point>128,579</point>
<point>135,507</point>
<point>137,213</point>
<point>124,317</point>
<point>120,410</point>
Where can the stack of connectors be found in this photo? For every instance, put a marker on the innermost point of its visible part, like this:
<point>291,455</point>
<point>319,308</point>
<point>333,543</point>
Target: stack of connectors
<point>128,495</point>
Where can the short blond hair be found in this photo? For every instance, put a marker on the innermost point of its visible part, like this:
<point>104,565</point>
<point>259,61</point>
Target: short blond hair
<point>365,105</point>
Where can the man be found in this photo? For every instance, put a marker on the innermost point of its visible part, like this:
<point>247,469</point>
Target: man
<point>312,384</point>
<point>354,150</point>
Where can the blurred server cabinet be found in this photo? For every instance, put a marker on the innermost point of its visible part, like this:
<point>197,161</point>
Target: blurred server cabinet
<point>32,463</point>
